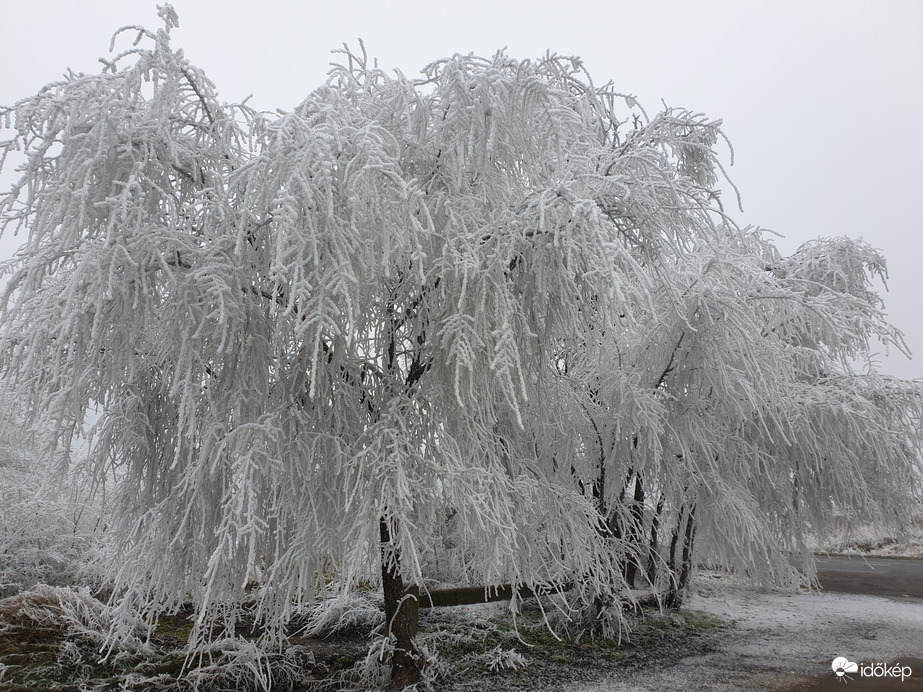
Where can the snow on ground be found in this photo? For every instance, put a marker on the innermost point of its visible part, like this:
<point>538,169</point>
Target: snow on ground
<point>782,641</point>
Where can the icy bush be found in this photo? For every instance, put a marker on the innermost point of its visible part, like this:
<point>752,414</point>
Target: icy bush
<point>344,611</point>
<point>498,659</point>
<point>73,612</point>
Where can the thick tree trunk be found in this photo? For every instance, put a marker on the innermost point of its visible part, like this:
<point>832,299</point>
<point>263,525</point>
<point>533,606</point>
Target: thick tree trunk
<point>402,610</point>
<point>679,582</point>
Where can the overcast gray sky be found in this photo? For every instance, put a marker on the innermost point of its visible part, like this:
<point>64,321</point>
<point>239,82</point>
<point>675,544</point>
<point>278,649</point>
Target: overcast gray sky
<point>820,98</point>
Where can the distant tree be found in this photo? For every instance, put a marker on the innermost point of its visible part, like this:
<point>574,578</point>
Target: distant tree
<point>49,520</point>
<point>472,311</point>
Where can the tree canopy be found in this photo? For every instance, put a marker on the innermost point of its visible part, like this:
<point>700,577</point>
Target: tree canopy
<point>491,325</point>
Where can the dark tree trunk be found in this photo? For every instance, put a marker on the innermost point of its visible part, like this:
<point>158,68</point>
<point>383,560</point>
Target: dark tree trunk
<point>634,533</point>
<point>671,562</point>
<point>654,546</point>
<point>402,610</point>
<point>685,573</point>
<point>679,582</point>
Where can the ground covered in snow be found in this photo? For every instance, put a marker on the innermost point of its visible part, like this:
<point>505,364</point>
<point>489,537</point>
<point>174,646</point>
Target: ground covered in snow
<point>731,636</point>
<point>783,641</point>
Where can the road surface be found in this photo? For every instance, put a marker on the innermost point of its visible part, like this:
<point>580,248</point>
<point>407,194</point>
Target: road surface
<point>870,610</point>
<point>875,576</point>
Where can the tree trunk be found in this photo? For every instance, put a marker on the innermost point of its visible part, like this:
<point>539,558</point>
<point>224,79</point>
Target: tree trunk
<point>402,610</point>
<point>653,552</point>
<point>634,533</point>
<point>685,573</point>
<point>678,583</point>
<point>671,599</point>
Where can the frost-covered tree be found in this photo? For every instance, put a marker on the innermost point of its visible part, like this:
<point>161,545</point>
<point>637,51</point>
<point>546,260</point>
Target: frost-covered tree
<point>739,411</point>
<point>463,315</point>
<point>315,339</point>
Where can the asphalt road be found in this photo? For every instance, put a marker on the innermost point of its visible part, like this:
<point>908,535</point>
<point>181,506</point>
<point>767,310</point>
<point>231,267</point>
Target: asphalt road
<point>894,578</point>
<point>875,576</point>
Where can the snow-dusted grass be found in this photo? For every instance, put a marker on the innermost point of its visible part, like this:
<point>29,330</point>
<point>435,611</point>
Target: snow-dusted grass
<point>57,637</point>
<point>52,636</point>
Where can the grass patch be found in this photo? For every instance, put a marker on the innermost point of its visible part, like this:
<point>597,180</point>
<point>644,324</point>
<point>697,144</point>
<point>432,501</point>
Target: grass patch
<point>469,648</point>
<point>43,647</point>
